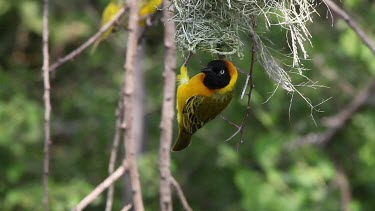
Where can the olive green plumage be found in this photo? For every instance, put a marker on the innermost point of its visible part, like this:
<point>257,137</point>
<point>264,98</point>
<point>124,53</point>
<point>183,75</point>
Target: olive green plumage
<point>201,98</point>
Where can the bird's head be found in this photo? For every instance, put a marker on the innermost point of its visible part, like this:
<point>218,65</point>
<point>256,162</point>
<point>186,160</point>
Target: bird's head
<point>216,75</point>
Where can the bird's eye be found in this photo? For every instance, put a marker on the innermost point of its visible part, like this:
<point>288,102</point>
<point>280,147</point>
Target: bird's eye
<point>222,72</point>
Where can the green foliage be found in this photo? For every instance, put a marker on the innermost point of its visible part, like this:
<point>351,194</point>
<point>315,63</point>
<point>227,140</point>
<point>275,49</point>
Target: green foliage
<point>352,45</point>
<point>29,12</point>
<point>28,196</point>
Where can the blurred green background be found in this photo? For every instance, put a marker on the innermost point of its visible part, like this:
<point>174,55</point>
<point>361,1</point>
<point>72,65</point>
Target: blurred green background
<point>262,175</point>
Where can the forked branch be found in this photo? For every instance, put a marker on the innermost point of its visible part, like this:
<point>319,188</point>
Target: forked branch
<point>129,104</point>
<point>166,124</point>
<point>101,187</point>
<point>180,194</point>
<point>249,83</point>
<point>336,122</point>
<point>88,43</point>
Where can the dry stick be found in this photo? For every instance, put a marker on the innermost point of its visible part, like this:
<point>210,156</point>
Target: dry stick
<point>249,83</point>
<point>353,24</point>
<point>180,194</point>
<point>166,123</point>
<point>128,101</point>
<point>47,105</point>
<point>89,42</point>
<point>188,58</point>
<point>337,122</point>
<point>126,207</point>
<point>118,134</point>
<point>251,86</point>
<point>344,187</point>
<point>101,187</point>
<point>114,150</point>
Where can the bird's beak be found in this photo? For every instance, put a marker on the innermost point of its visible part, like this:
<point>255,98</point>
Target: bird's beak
<point>206,70</point>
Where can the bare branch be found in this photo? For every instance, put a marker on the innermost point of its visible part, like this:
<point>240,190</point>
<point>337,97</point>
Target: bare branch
<point>249,83</point>
<point>126,207</point>
<point>129,104</point>
<point>337,122</point>
<point>180,194</point>
<point>188,58</point>
<point>344,186</point>
<point>114,150</point>
<point>241,71</point>
<point>166,123</point>
<point>47,105</point>
<point>89,42</point>
<point>101,187</point>
<point>230,122</point>
<point>352,23</point>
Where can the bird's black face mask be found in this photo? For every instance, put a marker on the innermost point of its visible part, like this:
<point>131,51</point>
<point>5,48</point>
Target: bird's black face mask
<point>217,75</point>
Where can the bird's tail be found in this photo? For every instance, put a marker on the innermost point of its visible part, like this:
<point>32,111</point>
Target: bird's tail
<point>183,77</point>
<point>183,140</point>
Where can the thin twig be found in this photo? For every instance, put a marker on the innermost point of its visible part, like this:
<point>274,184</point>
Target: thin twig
<point>188,58</point>
<point>47,105</point>
<point>344,187</point>
<point>230,122</point>
<point>180,194</point>
<point>101,187</point>
<point>241,71</point>
<point>114,150</point>
<point>89,42</point>
<point>249,83</point>
<point>129,104</point>
<point>166,122</point>
<point>246,84</point>
<point>352,23</point>
<point>126,207</point>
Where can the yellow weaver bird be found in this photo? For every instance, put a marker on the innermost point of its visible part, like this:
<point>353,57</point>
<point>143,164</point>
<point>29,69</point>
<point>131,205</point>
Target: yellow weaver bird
<point>108,14</point>
<point>146,9</point>
<point>201,98</point>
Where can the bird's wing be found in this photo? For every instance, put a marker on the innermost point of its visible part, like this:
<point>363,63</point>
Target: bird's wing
<point>199,109</point>
<point>108,14</point>
<point>191,121</point>
<point>148,7</point>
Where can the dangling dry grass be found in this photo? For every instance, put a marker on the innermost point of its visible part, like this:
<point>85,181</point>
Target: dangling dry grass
<point>216,26</point>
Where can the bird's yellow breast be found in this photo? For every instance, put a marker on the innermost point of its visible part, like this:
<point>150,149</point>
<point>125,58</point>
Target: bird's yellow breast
<point>197,104</point>
<point>195,86</point>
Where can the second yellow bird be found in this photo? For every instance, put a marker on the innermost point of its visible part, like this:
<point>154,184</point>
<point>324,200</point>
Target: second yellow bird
<point>201,98</point>
<point>146,9</point>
